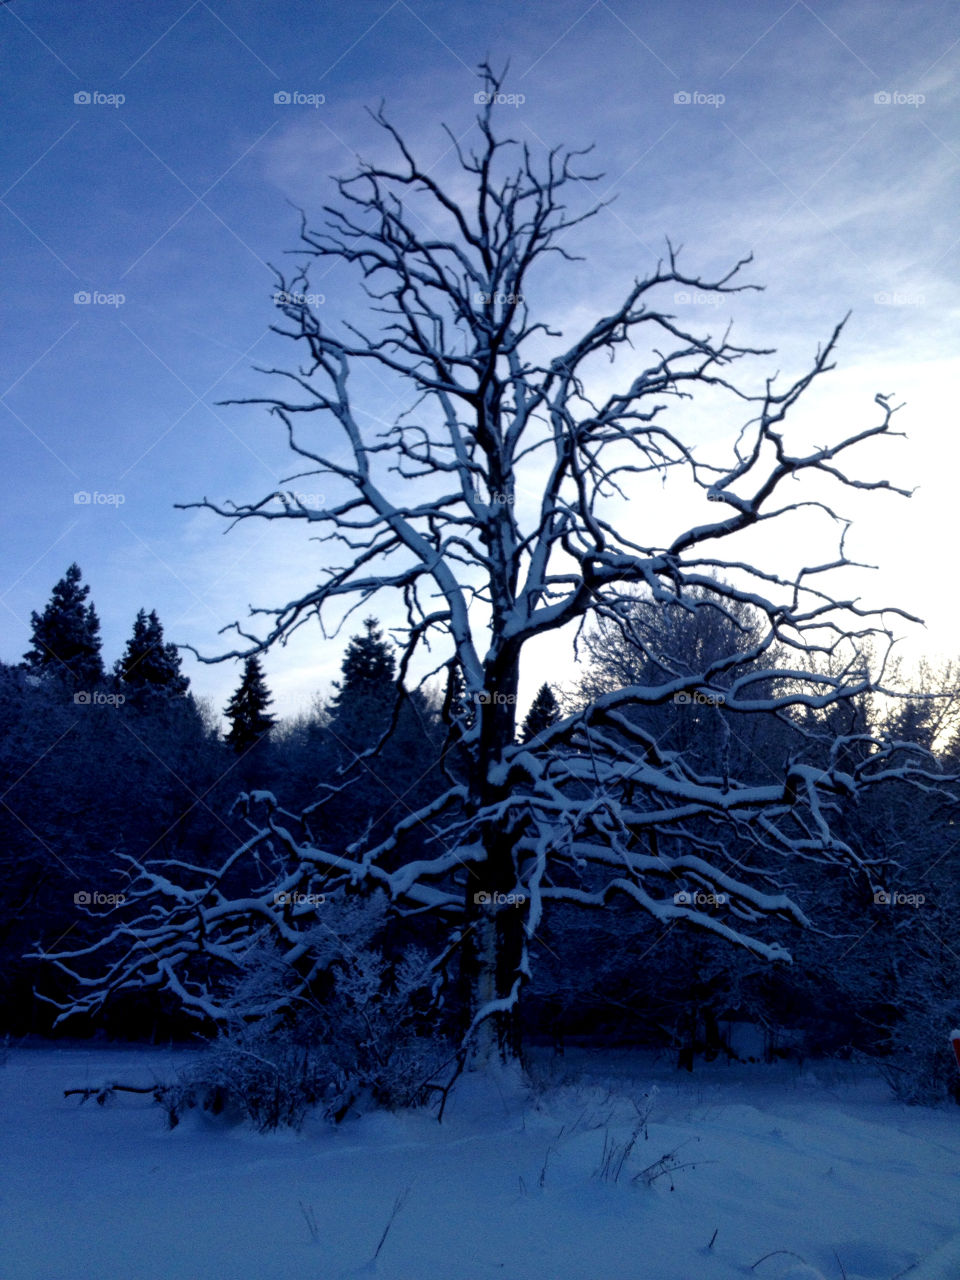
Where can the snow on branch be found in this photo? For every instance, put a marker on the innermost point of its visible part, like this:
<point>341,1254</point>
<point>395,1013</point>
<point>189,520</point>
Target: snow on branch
<point>490,512</point>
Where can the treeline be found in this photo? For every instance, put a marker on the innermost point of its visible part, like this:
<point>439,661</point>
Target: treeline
<point>97,765</point>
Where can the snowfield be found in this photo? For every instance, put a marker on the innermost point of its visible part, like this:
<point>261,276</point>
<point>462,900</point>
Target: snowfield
<point>816,1171</point>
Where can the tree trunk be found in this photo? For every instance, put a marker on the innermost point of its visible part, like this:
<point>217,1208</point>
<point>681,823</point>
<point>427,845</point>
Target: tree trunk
<point>495,920</point>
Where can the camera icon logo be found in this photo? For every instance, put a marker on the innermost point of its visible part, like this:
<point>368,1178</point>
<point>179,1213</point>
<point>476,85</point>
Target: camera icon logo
<point>482,898</point>
<point>82,299</point>
<point>681,699</point>
<point>82,699</point>
<point>82,899</point>
<point>683,898</point>
<point>82,98</point>
<point>282,98</point>
<point>484,696</point>
<point>881,898</point>
<point>81,498</point>
<point>682,99</point>
<point>882,99</point>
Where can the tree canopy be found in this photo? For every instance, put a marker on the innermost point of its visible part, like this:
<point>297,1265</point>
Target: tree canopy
<point>490,512</point>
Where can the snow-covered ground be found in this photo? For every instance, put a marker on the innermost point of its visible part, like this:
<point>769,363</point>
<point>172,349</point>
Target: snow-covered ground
<point>816,1166</point>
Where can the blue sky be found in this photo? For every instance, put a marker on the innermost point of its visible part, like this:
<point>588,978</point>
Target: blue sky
<point>179,196</point>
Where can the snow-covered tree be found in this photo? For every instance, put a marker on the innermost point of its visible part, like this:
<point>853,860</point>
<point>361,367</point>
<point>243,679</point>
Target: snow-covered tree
<point>148,664</point>
<point>250,721</point>
<point>65,638</point>
<point>491,510</point>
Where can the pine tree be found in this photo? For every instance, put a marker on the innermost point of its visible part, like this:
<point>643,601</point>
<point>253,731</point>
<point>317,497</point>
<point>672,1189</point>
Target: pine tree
<point>247,709</point>
<point>365,696</point>
<point>368,665</point>
<point>66,636</point>
<point>544,712</point>
<point>149,665</point>
<point>368,697</point>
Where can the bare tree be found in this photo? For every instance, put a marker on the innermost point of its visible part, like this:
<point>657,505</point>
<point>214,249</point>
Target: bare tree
<point>434,510</point>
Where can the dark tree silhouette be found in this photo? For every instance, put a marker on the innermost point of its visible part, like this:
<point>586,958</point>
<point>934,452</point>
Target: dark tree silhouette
<point>247,711</point>
<point>544,712</point>
<point>382,741</point>
<point>365,696</point>
<point>66,636</point>
<point>149,665</point>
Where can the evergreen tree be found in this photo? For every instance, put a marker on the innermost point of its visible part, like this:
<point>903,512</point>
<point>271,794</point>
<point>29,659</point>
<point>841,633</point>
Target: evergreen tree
<point>247,709</point>
<point>66,636</point>
<point>149,665</point>
<point>365,696</point>
<point>368,665</point>
<point>544,712</point>
<point>368,789</point>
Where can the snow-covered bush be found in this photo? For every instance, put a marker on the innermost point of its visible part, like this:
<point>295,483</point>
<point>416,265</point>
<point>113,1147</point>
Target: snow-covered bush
<point>362,1032</point>
<point>250,1074</point>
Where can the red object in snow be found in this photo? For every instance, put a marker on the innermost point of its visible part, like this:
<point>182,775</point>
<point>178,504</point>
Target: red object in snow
<point>955,1041</point>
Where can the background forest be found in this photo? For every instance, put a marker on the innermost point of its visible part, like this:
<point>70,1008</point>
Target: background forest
<point>128,762</point>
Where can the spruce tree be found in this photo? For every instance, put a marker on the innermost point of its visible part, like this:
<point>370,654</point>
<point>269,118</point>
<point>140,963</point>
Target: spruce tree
<point>368,665</point>
<point>66,636</point>
<point>247,709</point>
<point>149,665</point>
<point>365,696</point>
<point>369,701</point>
<point>544,712</point>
